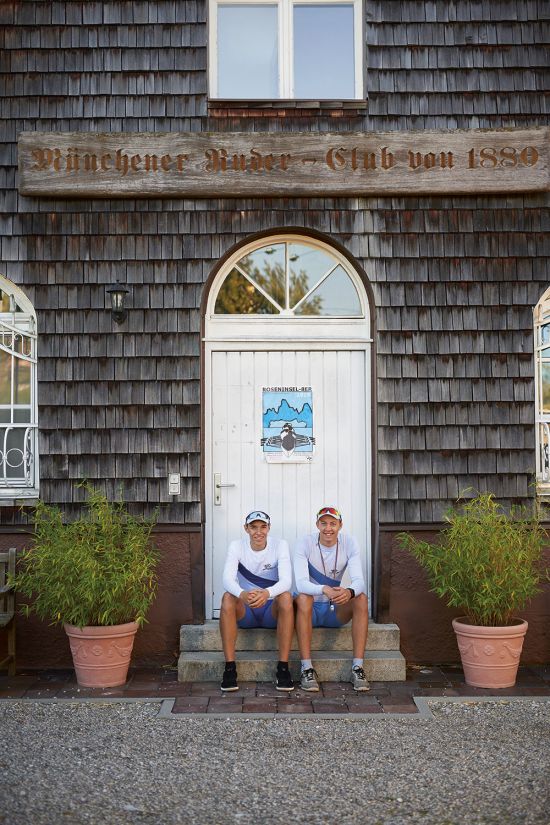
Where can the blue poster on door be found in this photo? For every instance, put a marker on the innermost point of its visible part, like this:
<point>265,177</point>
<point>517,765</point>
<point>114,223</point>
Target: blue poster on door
<point>287,424</point>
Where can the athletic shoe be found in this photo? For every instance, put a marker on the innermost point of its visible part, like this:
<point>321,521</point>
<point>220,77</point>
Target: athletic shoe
<point>284,679</point>
<point>229,681</point>
<point>308,680</point>
<point>358,679</point>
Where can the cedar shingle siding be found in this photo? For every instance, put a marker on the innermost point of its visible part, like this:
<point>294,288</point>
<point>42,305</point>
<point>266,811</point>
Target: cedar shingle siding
<point>454,279</point>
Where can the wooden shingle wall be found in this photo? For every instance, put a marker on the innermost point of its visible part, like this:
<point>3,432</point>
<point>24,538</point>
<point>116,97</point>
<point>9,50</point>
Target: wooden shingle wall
<point>454,280</point>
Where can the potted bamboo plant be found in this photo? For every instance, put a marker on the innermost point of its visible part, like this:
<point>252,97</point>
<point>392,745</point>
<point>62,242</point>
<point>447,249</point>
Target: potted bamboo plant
<point>487,563</point>
<point>96,576</point>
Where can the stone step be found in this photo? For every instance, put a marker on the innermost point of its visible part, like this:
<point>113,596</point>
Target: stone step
<point>207,637</point>
<point>259,666</point>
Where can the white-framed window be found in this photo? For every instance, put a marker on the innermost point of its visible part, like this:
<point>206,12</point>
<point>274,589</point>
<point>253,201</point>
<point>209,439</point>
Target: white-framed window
<point>286,49</point>
<point>289,276</point>
<point>18,395</point>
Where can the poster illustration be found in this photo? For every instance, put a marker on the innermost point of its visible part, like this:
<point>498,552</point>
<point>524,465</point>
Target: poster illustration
<point>287,424</point>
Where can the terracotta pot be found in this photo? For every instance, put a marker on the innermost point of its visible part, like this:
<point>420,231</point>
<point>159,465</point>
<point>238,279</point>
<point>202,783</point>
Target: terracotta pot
<point>101,655</point>
<point>490,655</point>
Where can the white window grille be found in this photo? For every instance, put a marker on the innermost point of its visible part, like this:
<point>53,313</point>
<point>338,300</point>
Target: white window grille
<point>286,49</point>
<point>18,395</point>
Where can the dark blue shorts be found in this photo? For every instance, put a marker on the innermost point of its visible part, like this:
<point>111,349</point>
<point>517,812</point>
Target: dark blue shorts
<point>323,616</point>
<point>258,616</point>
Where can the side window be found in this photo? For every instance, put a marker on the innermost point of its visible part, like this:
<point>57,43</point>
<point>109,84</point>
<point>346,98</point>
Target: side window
<point>18,395</point>
<point>286,49</point>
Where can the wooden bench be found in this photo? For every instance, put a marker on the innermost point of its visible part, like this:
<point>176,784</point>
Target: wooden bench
<point>7,606</point>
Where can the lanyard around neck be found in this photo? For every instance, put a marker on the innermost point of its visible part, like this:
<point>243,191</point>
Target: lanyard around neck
<point>335,559</point>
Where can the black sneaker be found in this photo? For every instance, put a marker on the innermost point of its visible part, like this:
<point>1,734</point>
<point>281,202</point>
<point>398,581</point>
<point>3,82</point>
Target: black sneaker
<point>284,679</point>
<point>229,681</point>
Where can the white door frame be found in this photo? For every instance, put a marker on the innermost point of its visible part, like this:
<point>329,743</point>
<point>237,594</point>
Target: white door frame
<point>225,333</point>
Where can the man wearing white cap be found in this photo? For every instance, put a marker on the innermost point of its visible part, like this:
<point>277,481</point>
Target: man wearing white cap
<point>320,560</point>
<point>257,578</point>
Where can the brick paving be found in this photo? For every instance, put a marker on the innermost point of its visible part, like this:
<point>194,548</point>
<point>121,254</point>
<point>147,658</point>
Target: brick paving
<point>261,697</point>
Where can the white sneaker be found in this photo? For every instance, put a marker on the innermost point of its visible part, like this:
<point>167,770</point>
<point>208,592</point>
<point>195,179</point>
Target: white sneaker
<point>308,680</point>
<point>358,679</point>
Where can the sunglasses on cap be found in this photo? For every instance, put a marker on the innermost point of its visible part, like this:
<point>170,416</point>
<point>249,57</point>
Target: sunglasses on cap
<point>329,511</point>
<point>257,515</point>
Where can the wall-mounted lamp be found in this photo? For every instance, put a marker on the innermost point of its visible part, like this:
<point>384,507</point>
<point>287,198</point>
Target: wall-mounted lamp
<point>118,293</point>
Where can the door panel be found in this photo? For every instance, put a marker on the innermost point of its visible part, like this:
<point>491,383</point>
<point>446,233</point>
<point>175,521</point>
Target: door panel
<point>338,474</point>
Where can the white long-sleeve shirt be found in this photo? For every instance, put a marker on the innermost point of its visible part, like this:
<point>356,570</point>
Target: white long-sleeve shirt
<point>248,569</point>
<point>316,566</point>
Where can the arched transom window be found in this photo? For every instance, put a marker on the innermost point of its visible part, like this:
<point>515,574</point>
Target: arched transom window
<point>292,278</point>
<point>18,403</point>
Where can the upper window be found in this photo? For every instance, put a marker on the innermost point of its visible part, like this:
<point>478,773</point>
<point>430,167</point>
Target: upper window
<point>18,403</point>
<point>286,49</point>
<point>289,278</point>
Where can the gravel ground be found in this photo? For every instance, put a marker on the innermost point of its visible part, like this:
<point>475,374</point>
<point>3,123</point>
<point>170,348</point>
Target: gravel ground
<point>118,764</point>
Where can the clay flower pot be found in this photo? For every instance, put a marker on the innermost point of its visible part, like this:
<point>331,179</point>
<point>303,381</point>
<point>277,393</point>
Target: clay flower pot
<point>490,655</point>
<point>101,655</point>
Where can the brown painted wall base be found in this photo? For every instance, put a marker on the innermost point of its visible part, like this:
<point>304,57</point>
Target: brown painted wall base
<point>425,621</point>
<point>180,601</point>
<point>405,598</point>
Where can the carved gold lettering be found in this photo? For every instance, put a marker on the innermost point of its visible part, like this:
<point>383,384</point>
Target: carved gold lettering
<point>72,160</point>
<point>430,160</point>
<point>181,161</point>
<point>90,163</point>
<point>166,163</point>
<point>335,158</point>
<point>46,158</point>
<point>135,160</point>
<point>104,165</point>
<point>121,162</point>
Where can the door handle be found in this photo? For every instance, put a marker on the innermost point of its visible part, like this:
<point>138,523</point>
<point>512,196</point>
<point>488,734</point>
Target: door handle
<point>218,488</point>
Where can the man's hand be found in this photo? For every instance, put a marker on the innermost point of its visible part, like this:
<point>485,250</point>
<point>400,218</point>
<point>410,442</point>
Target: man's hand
<point>337,595</point>
<point>257,598</point>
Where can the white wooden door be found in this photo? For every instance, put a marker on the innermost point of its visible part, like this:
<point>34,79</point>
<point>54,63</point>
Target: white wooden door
<point>338,474</point>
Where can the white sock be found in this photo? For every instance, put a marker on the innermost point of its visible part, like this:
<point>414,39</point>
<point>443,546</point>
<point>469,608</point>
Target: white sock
<point>357,663</point>
<point>306,664</point>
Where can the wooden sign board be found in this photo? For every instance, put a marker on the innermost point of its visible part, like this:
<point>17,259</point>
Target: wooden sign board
<point>204,165</point>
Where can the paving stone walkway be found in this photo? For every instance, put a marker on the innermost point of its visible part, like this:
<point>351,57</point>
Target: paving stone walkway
<point>261,697</point>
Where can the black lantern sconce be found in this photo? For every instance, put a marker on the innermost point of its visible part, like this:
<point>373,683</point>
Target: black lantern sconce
<point>118,293</point>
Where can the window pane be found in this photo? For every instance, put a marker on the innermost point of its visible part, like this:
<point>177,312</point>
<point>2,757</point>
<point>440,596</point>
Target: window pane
<point>336,296</point>
<point>545,334</point>
<point>247,52</point>
<point>307,266</point>
<point>5,377</point>
<point>266,267</point>
<point>20,416</point>
<point>324,63</point>
<point>545,372</point>
<point>238,296</point>
<point>13,466</point>
<point>22,382</point>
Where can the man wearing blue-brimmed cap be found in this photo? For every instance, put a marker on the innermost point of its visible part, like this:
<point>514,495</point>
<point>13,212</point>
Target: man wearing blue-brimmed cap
<point>320,560</point>
<point>257,579</point>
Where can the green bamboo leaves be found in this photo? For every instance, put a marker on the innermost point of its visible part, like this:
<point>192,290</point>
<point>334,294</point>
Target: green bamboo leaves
<point>488,563</point>
<point>97,570</point>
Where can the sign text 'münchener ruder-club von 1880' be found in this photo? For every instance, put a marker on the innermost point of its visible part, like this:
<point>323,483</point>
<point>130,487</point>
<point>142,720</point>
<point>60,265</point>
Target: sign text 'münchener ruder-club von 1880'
<point>208,165</point>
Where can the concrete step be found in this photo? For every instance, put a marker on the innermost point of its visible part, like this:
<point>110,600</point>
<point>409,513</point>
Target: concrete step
<point>201,658</point>
<point>259,666</point>
<point>207,637</point>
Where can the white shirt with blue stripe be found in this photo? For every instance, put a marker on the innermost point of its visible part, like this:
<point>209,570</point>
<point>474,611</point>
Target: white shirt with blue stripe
<point>248,569</point>
<point>311,575</point>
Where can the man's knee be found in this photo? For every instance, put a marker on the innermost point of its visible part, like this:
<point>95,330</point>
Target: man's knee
<point>360,604</point>
<point>304,603</point>
<point>284,601</point>
<point>229,603</point>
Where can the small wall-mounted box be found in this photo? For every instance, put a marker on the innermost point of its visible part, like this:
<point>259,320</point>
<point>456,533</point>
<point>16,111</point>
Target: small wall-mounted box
<point>174,484</point>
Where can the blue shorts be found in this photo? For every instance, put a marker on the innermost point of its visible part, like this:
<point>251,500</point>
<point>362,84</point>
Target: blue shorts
<point>323,616</point>
<point>258,616</point>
